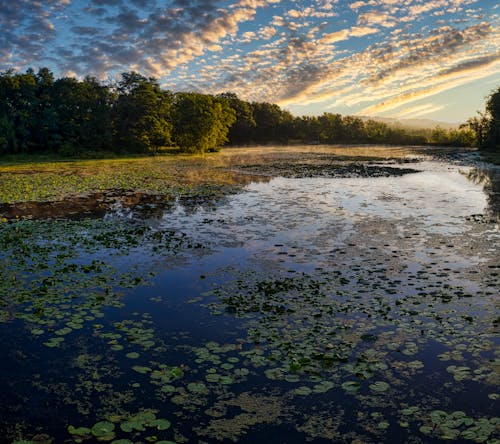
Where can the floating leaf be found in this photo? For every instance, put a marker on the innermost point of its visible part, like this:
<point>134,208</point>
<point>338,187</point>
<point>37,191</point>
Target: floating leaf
<point>102,429</point>
<point>128,426</point>
<point>197,387</point>
<point>302,390</point>
<point>141,369</point>
<point>82,431</point>
<point>351,386</point>
<point>132,355</point>
<point>379,386</point>
<point>160,424</point>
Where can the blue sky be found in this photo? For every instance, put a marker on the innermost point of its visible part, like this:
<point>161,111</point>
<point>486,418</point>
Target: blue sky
<point>433,59</point>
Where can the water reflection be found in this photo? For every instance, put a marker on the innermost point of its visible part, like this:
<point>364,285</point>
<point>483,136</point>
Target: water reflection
<point>489,177</point>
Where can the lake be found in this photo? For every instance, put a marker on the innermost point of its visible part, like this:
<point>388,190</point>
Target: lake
<point>337,294</point>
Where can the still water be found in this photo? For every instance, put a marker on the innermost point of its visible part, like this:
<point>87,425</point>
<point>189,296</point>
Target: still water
<point>347,302</point>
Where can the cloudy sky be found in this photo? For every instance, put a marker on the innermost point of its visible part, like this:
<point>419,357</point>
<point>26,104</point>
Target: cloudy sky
<point>433,59</point>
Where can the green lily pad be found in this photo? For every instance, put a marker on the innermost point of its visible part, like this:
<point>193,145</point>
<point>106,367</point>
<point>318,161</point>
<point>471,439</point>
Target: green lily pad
<point>144,417</point>
<point>226,380</point>
<point>351,386</point>
<point>438,416</point>
<point>160,424</point>
<point>197,387</point>
<point>168,388</point>
<point>379,386</point>
<point>141,369</point>
<point>128,426</point>
<point>81,431</point>
<point>323,387</point>
<point>102,428</point>
<point>132,355</point>
<point>302,391</point>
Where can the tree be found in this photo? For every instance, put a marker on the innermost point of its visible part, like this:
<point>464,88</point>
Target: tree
<point>479,127</point>
<point>201,122</point>
<point>18,99</point>
<point>492,137</point>
<point>242,129</point>
<point>8,141</point>
<point>354,129</point>
<point>272,123</point>
<point>142,119</point>
<point>84,114</point>
<point>332,127</point>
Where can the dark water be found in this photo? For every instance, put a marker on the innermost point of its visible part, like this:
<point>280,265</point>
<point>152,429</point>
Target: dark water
<point>302,309</point>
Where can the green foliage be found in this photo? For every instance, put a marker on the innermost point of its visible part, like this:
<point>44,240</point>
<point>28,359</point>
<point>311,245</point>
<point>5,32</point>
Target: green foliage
<point>74,117</point>
<point>201,122</point>
<point>241,131</point>
<point>142,114</point>
<point>492,141</point>
<point>485,127</point>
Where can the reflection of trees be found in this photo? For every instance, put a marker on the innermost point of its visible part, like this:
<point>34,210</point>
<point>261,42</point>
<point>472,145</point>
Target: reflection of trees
<point>490,179</point>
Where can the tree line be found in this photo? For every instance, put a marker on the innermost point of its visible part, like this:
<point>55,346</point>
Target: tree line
<point>40,113</point>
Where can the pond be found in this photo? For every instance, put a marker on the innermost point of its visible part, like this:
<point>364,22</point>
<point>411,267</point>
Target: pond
<point>344,295</point>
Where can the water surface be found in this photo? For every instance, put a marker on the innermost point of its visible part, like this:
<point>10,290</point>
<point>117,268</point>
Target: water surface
<point>333,299</point>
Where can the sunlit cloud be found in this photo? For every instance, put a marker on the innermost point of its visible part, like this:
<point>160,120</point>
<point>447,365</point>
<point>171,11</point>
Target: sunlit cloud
<point>361,56</point>
<point>418,111</point>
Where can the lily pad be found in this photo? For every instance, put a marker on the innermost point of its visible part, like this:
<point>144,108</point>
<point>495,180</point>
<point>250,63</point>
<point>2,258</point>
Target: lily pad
<point>379,386</point>
<point>302,391</point>
<point>351,386</point>
<point>128,426</point>
<point>81,431</point>
<point>160,424</point>
<point>141,369</point>
<point>102,429</point>
<point>197,387</point>
<point>132,355</point>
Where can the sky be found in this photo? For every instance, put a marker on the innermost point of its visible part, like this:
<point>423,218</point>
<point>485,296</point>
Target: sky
<point>432,59</point>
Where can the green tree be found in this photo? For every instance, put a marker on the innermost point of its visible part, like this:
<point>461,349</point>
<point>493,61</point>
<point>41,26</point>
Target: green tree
<point>492,137</point>
<point>332,127</point>
<point>142,117</point>
<point>201,122</point>
<point>241,131</point>
<point>18,99</point>
<point>479,127</point>
<point>354,129</point>
<point>84,114</point>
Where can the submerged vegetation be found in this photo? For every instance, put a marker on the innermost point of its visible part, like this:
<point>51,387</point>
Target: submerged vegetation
<point>74,118</point>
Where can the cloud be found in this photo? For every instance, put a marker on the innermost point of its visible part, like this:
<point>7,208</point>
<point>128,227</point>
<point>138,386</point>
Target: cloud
<point>33,18</point>
<point>335,37</point>
<point>361,31</point>
<point>165,38</point>
<point>402,71</point>
<point>357,5</point>
<point>435,85</point>
<point>382,18</point>
<point>344,34</point>
<point>378,55</point>
<point>419,110</point>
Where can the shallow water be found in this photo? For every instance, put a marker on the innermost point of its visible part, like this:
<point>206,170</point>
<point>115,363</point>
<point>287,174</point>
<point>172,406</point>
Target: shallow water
<point>321,309</point>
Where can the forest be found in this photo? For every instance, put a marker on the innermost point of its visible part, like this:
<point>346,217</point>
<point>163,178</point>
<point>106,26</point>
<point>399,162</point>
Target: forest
<point>71,117</point>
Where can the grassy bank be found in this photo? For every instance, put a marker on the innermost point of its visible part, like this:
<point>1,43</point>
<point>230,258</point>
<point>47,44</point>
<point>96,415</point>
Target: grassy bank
<point>51,179</point>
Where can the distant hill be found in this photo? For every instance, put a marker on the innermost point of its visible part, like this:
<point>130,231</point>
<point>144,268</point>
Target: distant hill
<point>413,123</point>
